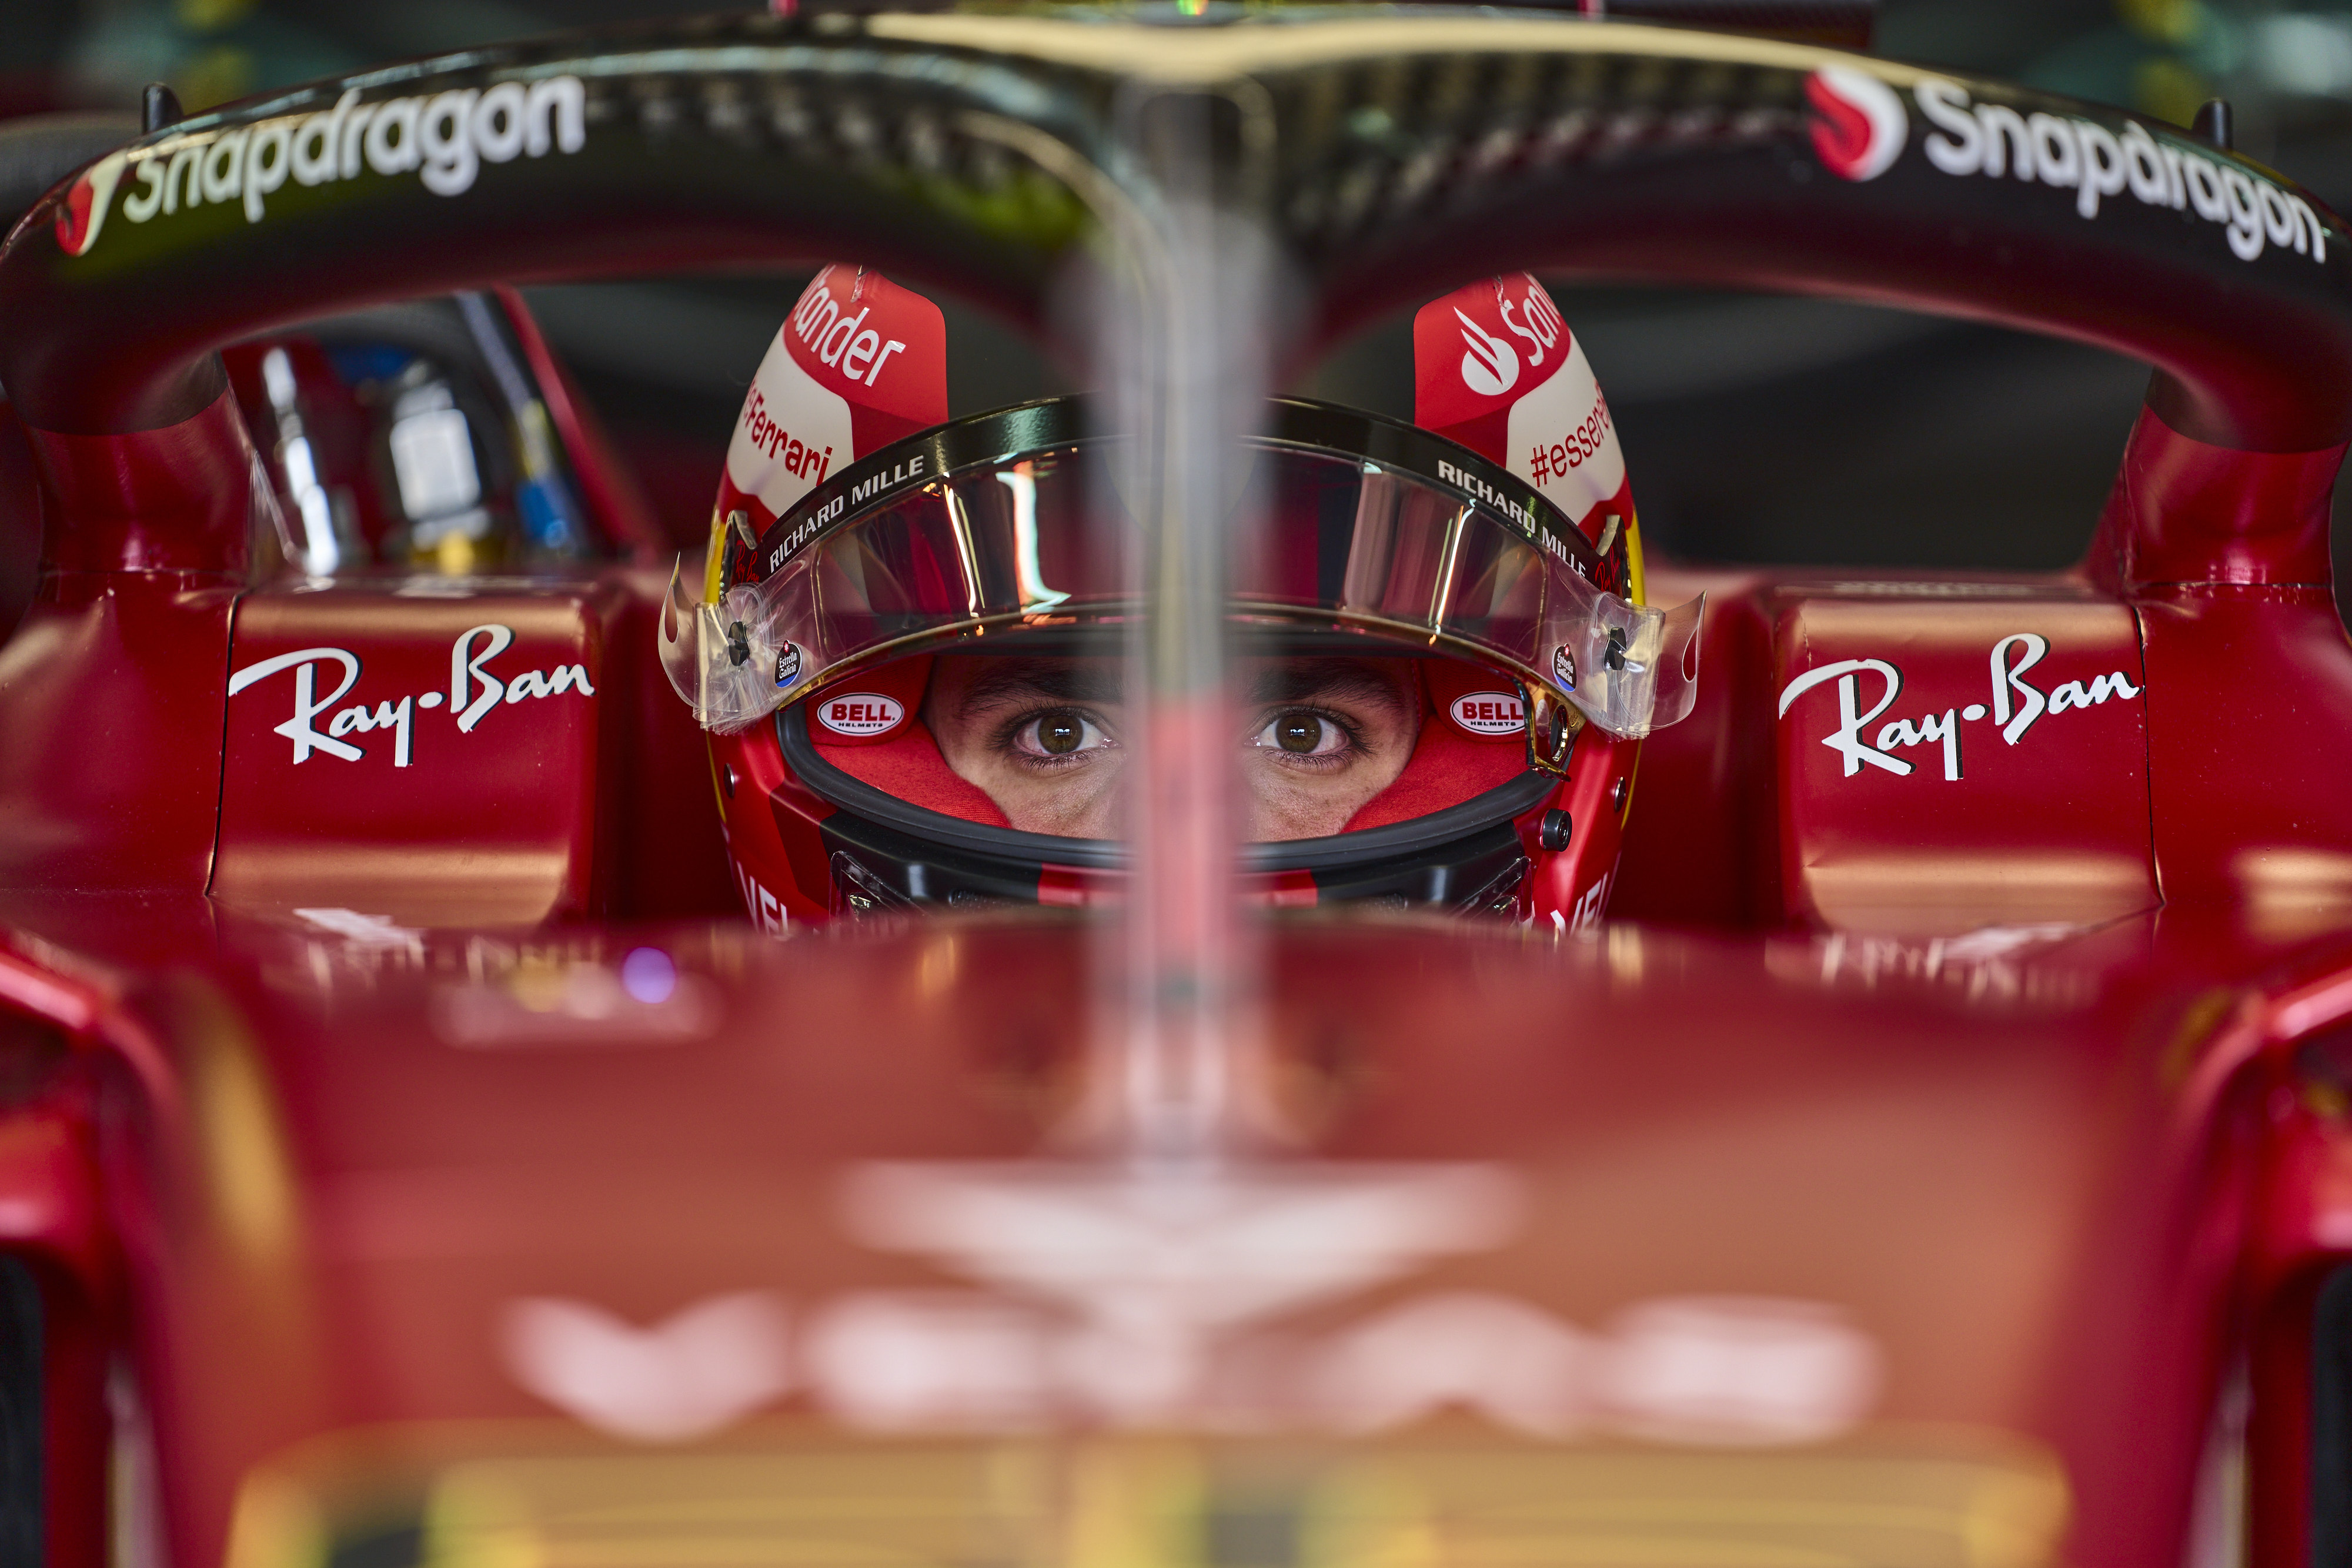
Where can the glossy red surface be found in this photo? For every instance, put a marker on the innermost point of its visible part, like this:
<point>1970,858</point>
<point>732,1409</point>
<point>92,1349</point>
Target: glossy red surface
<point>2183,511</point>
<point>173,499</point>
<point>132,667</point>
<point>1953,715</point>
<point>2009,1083</point>
<point>472,791</point>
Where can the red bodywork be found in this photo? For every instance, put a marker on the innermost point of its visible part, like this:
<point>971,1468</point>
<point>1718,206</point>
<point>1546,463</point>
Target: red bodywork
<point>1997,1053</point>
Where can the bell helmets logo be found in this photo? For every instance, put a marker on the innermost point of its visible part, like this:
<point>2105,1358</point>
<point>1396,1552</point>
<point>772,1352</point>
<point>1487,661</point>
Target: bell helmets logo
<point>1490,367</point>
<point>1490,713</point>
<point>861,713</point>
<point>1859,126</point>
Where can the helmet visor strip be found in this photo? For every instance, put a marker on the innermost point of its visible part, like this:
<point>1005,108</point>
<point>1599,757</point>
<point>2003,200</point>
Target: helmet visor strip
<point>998,525</point>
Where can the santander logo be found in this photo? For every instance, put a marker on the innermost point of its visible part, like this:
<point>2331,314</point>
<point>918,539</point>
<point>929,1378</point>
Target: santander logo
<point>1490,366</point>
<point>1859,124</point>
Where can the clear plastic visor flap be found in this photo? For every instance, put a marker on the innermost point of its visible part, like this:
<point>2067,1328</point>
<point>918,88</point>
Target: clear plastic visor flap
<point>1339,543</point>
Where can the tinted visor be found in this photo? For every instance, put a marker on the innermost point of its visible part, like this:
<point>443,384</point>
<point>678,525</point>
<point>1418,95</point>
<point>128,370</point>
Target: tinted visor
<point>1017,521</point>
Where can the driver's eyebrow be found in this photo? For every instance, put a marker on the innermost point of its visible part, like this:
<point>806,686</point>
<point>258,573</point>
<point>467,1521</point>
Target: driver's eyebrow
<point>1014,681</point>
<point>1303,680</point>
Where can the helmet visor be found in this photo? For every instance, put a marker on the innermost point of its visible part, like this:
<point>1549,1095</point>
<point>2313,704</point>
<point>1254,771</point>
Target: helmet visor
<point>1015,522</point>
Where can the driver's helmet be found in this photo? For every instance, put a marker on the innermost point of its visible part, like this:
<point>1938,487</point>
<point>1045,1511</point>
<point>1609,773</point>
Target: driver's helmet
<point>906,641</point>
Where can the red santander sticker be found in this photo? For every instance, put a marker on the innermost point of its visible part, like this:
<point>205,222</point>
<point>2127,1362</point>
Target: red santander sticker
<point>1490,713</point>
<point>861,714</point>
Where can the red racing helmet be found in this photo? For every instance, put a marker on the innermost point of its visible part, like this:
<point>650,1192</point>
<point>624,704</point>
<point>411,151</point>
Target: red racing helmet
<point>905,647</point>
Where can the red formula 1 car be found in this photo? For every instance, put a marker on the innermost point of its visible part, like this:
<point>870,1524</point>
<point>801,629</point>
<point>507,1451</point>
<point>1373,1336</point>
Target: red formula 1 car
<point>411,1153</point>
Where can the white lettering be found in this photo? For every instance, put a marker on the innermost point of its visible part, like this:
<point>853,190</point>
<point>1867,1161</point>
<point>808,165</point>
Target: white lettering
<point>1586,914</point>
<point>224,167</point>
<point>444,135</point>
<point>500,121</point>
<point>558,107</point>
<point>828,349</point>
<point>1847,740</point>
<point>2006,142</point>
<point>2016,706</point>
<point>2205,189</point>
<point>1538,328</point>
<point>1947,729</point>
<point>185,158</point>
<point>304,663</point>
<point>444,140</point>
<point>1943,726</point>
<point>2098,164</point>
<point>150,199</point>
<point>466,665</point>
<point>1957,145</point>
<point>354,129</point>
<point>2144,166</point>
<point>315,141</point>
<point>2102,167</point>
<point>2056,160</point>
<point>267,160</point>
<point>2245,214</point>
<point>395,717</point>
<point>861,349</point>
<point>816,322</point>
<point>467,678</point>
<point>766,910</point>
<point>2307,224</point>
<point>391,138</point>
<point>2008,680</point>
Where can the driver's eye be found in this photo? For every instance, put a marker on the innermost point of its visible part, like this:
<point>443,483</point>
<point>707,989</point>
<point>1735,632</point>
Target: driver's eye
<point>1302,734</point>
<point>1061,733</point>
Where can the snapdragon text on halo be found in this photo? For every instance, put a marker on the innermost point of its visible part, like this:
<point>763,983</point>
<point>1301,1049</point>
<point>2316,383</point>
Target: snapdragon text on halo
<point>443,139</point>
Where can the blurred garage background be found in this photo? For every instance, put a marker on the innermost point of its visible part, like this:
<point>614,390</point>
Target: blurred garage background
<point>1758,429</point>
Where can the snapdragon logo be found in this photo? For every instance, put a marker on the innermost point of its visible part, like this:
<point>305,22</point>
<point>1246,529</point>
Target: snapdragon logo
<point>1859,126</point>
<point>443,140</point>
<point>2070,152</point>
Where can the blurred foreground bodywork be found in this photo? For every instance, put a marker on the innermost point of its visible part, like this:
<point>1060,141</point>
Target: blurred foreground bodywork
<point>400,1165</point>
